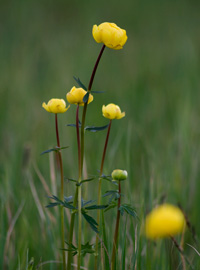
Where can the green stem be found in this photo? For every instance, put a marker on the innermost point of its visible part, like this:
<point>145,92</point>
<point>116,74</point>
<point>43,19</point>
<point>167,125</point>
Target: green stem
<point>99,193</point>
<point>62,194</point>
<point>116,231</point>
<point>79,189</point>
<point>85,105</point>
<point>71,229</point>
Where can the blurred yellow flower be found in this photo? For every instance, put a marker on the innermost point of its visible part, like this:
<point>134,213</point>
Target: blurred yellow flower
<point>110,34</point>
<point>112,111</point>
<point>55,105</point>
<point>164,221</point>
<point>76,95</point>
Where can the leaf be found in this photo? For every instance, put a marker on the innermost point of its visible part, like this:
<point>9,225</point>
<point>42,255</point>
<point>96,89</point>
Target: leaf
<point>72,180</point>
<point>128,209</point>
<point>52,205</point>
<point>95,129</point>
<point>87,180</point>
<point>74,125</point>
<point>93,207</point>
<point>85,98</point>
<point>85,249</point>
<point>98,92</point>
<point>84,203</point>
<point>68,199</point>
<point>56,149</point>
<point>114,195</point>
<point>80,83</point>
<point>113,204</point>
<point>93,224</point>
<point>66,203</point>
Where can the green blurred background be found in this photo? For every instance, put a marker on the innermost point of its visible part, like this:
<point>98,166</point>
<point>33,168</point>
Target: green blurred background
<point>155,79</point>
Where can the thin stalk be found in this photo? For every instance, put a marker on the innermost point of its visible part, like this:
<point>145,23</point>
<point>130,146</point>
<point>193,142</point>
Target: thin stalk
<point>62,194</point>
<point>116,231</point>
<point>79,189</point>
<point>85,105</point>
<point>180,249</point>
<point>71,229</point>
<point>99,192</point>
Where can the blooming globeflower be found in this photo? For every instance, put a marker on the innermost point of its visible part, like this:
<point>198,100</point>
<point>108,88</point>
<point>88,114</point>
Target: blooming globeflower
<point>112,111</point>
<point>164,221</point>
<point>76,95</point>
<point>110,34</point>
<point>55,105</point>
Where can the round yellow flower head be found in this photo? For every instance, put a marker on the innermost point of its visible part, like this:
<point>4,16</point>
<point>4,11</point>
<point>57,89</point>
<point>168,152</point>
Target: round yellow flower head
<point>55,105</point>
<point>112,111</point>
<point>164,221</point>
<point>119,175</point>
<point>110,34</point>
<point>76,95</point>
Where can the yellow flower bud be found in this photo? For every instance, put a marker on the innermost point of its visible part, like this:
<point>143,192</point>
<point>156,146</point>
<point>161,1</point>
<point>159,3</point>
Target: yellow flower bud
<point>112,111</point>
<point>55,105</point>
<point>119,175</point>
<point>164,221</point>
<point>110,34</point>
<point>76,95</point>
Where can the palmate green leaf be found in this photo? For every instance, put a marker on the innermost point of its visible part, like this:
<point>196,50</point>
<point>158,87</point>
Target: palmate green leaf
<point>85,249</point>
<point>114,195</point>
<point>112,204</point>
<point>91,221</point>
<point>67,203</point>
<point>95,129</point>
<point>128,209</point>
<point>86,97</point>
<point>56,149</point>
<point>80,83</point>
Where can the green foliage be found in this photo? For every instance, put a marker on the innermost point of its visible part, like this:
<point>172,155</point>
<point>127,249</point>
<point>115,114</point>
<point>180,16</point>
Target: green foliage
<point>90,220</point>
<point>80,83</point>
<point>85,249</point>
<point>67,203</point>
<point>56,149</point>
<point>128,209</point>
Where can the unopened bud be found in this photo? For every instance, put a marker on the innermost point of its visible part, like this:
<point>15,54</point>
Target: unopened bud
<point>119,175</point>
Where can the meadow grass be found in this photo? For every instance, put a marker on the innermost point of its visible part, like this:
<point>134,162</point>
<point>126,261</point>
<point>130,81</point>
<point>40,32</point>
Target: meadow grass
<point>154,79</point>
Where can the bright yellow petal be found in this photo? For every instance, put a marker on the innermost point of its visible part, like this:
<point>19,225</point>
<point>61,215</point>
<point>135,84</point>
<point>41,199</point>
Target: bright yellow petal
<point>45,106</point>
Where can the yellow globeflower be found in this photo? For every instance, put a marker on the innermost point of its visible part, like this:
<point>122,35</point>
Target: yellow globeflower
<point>76,95</point>
<point>164,221</point>
<point>110,34</point>
<point>112,111</point>
<point>55,105</point>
